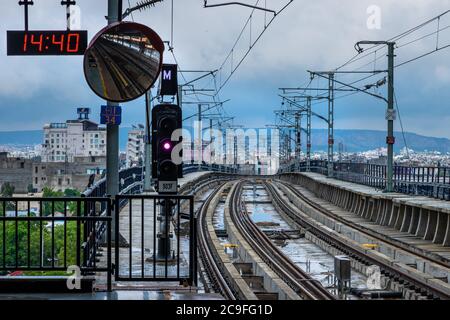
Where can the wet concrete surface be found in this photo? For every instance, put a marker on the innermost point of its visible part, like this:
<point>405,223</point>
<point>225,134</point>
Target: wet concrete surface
<point>116,295</point>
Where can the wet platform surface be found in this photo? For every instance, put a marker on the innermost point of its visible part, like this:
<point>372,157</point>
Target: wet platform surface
<point>137,295</point>
<point>140,264</point>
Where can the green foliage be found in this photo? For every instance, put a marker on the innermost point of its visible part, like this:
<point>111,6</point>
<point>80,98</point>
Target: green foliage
<point>25,239</point>
<point>72,193</point>
<point>7,190</point>
<point>59,205</point>
<point>31,238</point>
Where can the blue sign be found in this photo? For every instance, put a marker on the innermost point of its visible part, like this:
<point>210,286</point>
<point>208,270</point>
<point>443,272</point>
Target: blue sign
<point>111,115</point>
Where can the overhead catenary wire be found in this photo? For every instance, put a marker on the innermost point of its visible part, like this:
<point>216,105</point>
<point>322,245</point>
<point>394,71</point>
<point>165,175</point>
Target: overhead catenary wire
<point>376,48</point>
<point>396,38</point>
<point>401,125</point>
<point>368,52</point>
<point>252,44</point>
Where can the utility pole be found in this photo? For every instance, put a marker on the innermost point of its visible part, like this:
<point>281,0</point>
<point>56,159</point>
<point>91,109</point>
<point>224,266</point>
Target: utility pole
<point>330,123</point>
<point>199,137</point>
<point>308,109</point>
<point>148,145</point>
<point>211,143</point>
<point>235,155</point>
<point>308,134</point>
<point>26,3</point>
<point>297,139</point>
<point>68,3</point>
<point>390,117</point>
<point>390,112</point>
<point>112,132</point>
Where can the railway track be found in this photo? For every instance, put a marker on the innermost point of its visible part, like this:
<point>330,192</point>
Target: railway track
<point>355,252</point>
<point>300,281</point>
<point>355,226</point>
<point>209,259</point>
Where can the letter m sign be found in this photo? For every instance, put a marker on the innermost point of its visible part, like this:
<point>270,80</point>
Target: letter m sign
<point>169,81</point>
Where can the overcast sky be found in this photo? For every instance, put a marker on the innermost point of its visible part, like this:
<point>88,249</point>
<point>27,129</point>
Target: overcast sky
<point>308,35</point>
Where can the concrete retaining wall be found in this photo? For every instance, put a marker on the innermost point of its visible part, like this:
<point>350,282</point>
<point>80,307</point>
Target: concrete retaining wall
<point>420,216</point>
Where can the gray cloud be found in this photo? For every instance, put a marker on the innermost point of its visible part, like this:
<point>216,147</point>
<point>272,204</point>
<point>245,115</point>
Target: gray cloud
<point>308,35</point>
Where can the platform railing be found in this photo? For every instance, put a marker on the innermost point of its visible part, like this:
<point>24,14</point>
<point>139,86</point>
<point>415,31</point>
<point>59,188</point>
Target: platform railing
<point>61,233</point>
<point>430,181</point>
<point>148,231</point>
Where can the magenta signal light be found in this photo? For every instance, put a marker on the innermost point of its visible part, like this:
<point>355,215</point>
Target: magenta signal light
<point>166,146</point>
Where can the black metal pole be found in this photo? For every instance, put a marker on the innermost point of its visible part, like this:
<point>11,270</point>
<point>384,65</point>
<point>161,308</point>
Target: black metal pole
<point>26,3</point>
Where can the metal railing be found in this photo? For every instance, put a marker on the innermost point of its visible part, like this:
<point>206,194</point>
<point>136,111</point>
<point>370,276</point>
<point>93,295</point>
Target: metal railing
<point>52,234</point>
<point>417,180</point>
<point>150,232</point>
<point>46,236</point>
<point>127,177</point>
<point>190,168</point>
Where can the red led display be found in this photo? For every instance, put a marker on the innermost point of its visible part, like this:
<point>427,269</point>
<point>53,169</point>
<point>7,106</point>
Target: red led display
<point>23,43</point>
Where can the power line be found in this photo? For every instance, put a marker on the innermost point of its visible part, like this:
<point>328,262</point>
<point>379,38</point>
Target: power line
<point>252,44</point>
<point>401,125</point>
<point>396,38</point>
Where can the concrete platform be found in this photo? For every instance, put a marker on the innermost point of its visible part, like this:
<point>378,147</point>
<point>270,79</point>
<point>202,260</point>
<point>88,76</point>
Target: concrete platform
<point>142,246</point>
<point>425,202</point>
<point>423,218</point>
<point>404,237</point>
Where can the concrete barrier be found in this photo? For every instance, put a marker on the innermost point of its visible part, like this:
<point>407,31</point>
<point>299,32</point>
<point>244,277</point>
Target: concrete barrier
<point>420,216</point>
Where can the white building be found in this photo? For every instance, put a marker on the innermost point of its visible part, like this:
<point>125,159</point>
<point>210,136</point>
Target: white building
<point>135,146</point>
<point>74,138</point>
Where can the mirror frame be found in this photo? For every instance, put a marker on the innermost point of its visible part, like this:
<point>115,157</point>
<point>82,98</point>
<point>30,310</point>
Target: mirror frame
<point>153,37</point>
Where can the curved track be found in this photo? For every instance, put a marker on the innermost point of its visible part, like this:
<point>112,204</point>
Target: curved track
<point>307,287</point>
<point>361,229</point>
<point>207,255</point>
<point>354,252</point>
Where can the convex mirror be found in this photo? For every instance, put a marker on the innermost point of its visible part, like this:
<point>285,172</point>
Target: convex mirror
<point>123,61</point>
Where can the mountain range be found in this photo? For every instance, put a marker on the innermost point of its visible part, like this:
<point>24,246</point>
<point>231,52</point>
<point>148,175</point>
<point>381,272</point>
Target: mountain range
<point>353,140</point>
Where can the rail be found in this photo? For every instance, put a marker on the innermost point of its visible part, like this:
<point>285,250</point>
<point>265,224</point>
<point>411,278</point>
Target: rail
<point>208,256</point>
<point>354,252</point>
<point>296,278</point>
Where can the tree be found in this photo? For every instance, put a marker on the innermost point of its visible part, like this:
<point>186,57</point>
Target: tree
<point>49,206</point>
<point>72,193</point>
<point>7,190</point>
<point>39,235</point>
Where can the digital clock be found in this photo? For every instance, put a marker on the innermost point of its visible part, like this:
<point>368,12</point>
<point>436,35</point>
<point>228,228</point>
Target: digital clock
<point>46,43</point>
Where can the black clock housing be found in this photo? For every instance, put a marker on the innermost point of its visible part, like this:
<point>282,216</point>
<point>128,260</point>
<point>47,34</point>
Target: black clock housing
<point>46,43</point>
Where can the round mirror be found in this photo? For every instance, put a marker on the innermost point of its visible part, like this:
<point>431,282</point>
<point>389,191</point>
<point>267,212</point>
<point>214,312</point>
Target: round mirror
<point>123,61</point>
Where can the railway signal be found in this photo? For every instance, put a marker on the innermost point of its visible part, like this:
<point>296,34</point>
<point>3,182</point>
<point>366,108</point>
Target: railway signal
<point>166,147</point>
